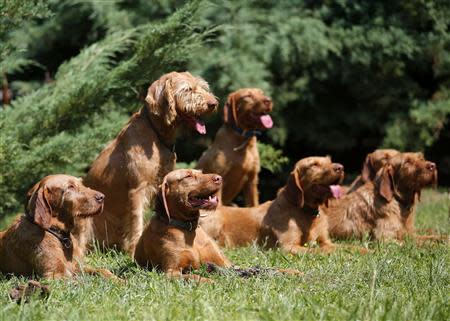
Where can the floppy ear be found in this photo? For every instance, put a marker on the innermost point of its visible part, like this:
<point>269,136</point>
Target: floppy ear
<point>39,207</point>
<point>367,171</point>
<point>230,106</point>
<point>161,101</point>
<point>164,188</point>
<point>386,183</point>
<point>294,188</point>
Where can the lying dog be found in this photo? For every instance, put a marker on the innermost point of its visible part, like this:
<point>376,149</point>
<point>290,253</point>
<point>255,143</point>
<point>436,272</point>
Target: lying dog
<point>373,163</point>
<point>384,208</point>
<point>292,219</point>
<point>40,242</point>
<point>234,153</point>
<point>173,242</point>
<point>129,170</point>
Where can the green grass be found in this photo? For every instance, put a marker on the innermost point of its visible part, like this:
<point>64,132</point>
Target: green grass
<point>391,283</point>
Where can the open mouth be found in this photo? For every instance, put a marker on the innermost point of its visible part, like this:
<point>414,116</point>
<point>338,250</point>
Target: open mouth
<point>329,190</point>
<point>263,120</point>
<point>208,202</point>
<point>195,123</point>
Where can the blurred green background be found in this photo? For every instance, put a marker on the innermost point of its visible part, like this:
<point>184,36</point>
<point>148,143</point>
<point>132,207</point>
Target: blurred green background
<point>346,77</point>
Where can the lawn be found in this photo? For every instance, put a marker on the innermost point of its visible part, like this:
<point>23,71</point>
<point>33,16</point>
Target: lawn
<point>391,283</point>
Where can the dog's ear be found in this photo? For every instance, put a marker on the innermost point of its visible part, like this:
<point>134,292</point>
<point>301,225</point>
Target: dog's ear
<point>367,172</point>
<point>163,190</point>
<point>230,107</point>
<point>294,188</point>
<point>161,101</point>
<point>38,207</point>
<point>386,185</point>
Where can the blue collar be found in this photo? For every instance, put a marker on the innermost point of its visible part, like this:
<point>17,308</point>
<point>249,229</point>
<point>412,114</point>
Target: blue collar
<point>245,133</point>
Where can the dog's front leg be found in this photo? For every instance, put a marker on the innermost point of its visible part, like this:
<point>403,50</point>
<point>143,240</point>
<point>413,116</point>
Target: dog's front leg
<point>251,194</point>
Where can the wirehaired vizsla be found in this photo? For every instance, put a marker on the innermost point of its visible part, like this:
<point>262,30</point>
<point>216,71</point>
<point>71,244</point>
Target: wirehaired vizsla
<point>385,207</point>
<point>234,153</point>
<point>291,220</point>
<point>130,168</point>
<point>41,242</point>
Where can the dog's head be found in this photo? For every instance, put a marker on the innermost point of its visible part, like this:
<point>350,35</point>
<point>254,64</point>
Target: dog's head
<point>57,200</point>
<point>405,175</point>
<point>184,192</point>
<point>249,109</point>
<point>374,161</point>
<point>179,97</point>
<point>314,180</point>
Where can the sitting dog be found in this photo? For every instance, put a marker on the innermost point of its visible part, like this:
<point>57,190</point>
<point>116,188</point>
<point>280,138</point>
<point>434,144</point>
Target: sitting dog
<point>385,208</point>
<point>292,219</point>
<point>40,242</point>
<point>129,170</point>
<point>374,161</point>
<point>234,153</point>
<point>173,242</point>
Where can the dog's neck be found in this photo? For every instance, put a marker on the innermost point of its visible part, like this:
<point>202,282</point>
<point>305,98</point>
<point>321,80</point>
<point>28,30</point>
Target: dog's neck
<point>63,235</point>
<point>239,141</point>
<point>311,209</point>
<point>166,134</point>
<point>188,225</point>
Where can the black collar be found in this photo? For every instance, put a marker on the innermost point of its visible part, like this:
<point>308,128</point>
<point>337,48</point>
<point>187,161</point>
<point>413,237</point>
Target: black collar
<point>245,133</point>
<point>147,115</point>
<point>184,225</point>
<point>62,236</point>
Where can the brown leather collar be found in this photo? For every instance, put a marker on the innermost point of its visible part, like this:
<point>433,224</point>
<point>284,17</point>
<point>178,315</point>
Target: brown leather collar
<point>63,236</point>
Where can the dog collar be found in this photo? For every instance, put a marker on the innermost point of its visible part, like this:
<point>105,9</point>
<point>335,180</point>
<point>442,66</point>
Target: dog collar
<point>184,225</point>
<point>245,133</point>
<point>62,236</point>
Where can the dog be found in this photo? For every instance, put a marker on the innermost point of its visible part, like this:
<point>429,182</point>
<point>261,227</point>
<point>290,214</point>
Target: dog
<point>129,170</point>
<point>173,241</point>
<point>384,208</point>
<point>41,242</point>
<point>291,220</point>
<point>234,153</point>
<point>372,164</point>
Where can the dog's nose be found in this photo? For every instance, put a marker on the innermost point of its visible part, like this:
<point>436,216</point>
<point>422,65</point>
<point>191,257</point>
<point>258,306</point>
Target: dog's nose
<point>99,197</point>
<point>217,179</point>
<point>338,168</point>
<point>431,166</point>
<point>212,103</point>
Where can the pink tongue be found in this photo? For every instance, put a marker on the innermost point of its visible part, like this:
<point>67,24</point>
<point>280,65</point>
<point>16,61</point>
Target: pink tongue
<point>200,127</point>
<point>266,120</point>
<point>336,191</point>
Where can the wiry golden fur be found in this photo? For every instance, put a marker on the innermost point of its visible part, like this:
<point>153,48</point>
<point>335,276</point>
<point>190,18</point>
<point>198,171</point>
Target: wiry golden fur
<point>291,220</point>
<point>29,248</point>
<point>234,155</point>
<point>385,208</point>
<point>131,167</point>
<point>372,164</point>
<point>172,249</point>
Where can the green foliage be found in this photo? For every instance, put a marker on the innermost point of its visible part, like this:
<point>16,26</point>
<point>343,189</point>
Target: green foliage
<point>271,158</point>
<point>63,125</point>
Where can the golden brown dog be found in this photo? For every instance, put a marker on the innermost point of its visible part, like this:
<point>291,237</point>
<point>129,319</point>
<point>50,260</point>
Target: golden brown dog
<point>172,241</point>
<point>129,170</point>
<point>41,242</point>
<point>384,208</point>
<point>234,153</point>
<point>292,219</point>
<point>374,161</point>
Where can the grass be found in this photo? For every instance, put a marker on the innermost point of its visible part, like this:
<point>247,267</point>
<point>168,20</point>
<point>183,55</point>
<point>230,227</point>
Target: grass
<point>392,283</point>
